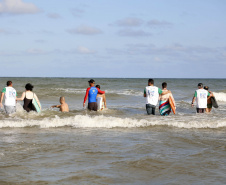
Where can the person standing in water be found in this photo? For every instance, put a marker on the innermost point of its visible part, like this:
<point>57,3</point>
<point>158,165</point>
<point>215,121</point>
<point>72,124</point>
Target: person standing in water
<point>91,94</point>
<point>27,97</point>
<point>102,96</point>
<point>10,94</point>
<point>151,93</point>
<point>209,102</point>
<point>201,99</point>
<point>164,106</point>
<point>63,107</point>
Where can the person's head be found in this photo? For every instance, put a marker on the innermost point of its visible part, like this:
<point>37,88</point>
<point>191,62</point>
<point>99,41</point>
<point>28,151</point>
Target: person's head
<point>62,99</point>
<point>164,85</point>
<point>91,82</point>
<point>29,87</point>
<point>150,82</point>
<point>206,88</point>
<point>9,83</point>
<point>200,85</point>
<point>98,86</point>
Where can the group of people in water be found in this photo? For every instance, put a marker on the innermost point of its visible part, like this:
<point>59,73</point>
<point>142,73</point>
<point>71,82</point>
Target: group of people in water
<point>152,93</point>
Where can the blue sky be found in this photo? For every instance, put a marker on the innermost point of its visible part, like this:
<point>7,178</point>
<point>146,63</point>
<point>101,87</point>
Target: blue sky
<point>129,38</point>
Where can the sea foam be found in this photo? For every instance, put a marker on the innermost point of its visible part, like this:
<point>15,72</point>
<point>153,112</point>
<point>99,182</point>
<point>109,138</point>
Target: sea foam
<point>87,121</point>
<point>220,96</point>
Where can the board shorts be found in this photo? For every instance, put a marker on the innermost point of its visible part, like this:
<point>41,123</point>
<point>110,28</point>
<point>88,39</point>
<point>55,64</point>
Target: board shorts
<point>200,110</point>
<point>92,106</point>
<point>10,109</point>
<point>150,109</point>
<point>209,106</point>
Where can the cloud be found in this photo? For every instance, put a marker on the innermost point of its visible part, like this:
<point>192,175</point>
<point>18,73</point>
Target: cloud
<point>172,53</point>
<point>133,33</point>
<point>36,52</point>
<point>129,22</point>
<point>84,50</point>
<point>77,12</point>
<point>85,30</point>
<point>156,23</point>
<point>54,16</point>
<point>17,7</point>
<point>7,32</point>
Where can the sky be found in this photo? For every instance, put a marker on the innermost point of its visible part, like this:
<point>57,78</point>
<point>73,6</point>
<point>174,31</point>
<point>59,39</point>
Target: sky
<point>103,38</point>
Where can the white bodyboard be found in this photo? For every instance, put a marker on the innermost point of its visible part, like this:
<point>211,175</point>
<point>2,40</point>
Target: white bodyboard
<point>100,103</point>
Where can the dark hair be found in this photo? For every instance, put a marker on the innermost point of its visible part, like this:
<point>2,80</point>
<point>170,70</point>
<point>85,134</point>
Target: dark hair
<point>206,88</point>
<point>8,83</point>
<point>151,81</point>
<point>200,85</point>
<point>164,85</point>
<point>98,86</point>
<point>29,87</point>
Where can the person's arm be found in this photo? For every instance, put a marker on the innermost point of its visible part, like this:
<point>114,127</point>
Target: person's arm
<point>104,100</point>
<point>145,93</point>
<point>22,97</point>
<point>86,96</point>
<point>2,97</point>
<point>163,92</point>
<point>208,94</point>
<point>193,99</point>
<point>101,92</point>
<point>57,106</point>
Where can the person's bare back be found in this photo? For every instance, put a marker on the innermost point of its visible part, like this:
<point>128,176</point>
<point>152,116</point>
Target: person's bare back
<point>63,107</point>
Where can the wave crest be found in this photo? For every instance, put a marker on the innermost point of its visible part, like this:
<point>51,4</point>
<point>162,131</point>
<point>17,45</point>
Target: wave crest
<point>86,121</point>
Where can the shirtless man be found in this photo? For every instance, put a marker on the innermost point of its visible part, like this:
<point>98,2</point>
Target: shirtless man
<point>63,107</point>
<point>209,102</point>
<point>102,96</point>
<point>164,106</point>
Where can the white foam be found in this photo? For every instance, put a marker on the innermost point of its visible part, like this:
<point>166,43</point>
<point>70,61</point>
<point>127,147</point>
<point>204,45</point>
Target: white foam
<point>86,121</point>
<point>220,96</point>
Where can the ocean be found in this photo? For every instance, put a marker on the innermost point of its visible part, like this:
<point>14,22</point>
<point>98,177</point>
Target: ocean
<point>119,145</point>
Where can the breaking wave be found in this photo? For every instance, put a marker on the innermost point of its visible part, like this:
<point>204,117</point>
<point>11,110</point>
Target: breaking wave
<point>220,96</point>
<point>87,121</point>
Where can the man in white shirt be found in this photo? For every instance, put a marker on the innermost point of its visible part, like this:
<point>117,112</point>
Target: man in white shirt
<point>201,99</point>
<point>9,93</point>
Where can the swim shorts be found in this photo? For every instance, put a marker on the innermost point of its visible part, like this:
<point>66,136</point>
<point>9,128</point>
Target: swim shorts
<point>150,109</point>
<point>209,106</point>
<point>92,106</point>
<point>10,109</point>
<point>200,110</point>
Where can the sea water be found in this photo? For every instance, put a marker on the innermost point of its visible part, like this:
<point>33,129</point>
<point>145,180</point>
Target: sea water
<point>119,145</point>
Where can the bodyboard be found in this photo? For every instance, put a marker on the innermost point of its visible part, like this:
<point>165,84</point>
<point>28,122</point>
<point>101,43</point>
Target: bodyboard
<point>214,102</point>
<point>100,103</point>
<point>35,105</point>
<point>172,105</point>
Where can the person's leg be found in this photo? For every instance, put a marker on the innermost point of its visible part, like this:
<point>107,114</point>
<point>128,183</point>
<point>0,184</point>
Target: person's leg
<point>90,106</point>
<point>95,106</point>
<point>148,109</point>
<point>10,109</point>
<point>153,109</point>
<point>200,110</point>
